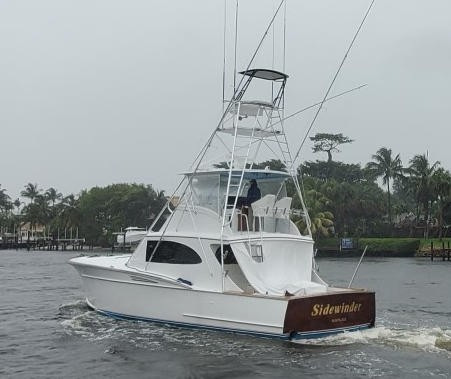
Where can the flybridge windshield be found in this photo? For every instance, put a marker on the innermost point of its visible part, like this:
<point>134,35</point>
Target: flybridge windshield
<point>209,190</point>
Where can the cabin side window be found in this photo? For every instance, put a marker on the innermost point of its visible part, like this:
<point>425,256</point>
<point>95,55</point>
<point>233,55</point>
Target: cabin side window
<point>172,253</point>
<point>229,257</point>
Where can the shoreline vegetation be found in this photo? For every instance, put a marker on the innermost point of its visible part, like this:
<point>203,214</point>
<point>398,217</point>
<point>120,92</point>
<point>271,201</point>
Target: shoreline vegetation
<point>382,247</point>
<point>395,209</point>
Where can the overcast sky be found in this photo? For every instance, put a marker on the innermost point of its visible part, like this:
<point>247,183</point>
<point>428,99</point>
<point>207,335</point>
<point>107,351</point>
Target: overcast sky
<point>97,92</point>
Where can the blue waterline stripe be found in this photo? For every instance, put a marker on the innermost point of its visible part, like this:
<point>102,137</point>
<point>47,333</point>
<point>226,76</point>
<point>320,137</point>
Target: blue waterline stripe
<point>326,333</point>
<point>286,336</point>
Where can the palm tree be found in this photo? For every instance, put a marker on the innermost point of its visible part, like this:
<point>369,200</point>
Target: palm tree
<point>37,212</point>
<point>441,185</point>
<point>17,203</point>
<point>421,172</point>
<point>388,168</point>
<point>5,202</point>
<point>321,224</point>
<point>69,214</point>
<point>53,195</point>
<point>31,191</point>
<point>42,205</point>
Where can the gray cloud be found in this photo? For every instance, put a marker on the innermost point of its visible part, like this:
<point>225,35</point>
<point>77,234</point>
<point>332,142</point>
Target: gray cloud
<point>95,92</point>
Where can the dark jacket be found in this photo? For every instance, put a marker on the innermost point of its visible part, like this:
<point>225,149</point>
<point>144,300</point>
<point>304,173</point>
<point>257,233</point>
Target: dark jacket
<point>253,193</point>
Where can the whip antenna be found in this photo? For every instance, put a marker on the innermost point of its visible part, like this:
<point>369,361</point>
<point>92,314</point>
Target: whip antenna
<point>332,83</point>
<point>224,55</point>
<point>236,43</point>
<point>284,34</point>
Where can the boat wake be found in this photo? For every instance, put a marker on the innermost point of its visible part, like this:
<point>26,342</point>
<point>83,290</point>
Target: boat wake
<point>79,320</point>
<point>432,339</point>
<point>70,308</point>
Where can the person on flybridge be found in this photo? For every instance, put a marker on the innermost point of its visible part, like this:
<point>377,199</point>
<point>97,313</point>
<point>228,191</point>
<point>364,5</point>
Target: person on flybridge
<point>253,193</point>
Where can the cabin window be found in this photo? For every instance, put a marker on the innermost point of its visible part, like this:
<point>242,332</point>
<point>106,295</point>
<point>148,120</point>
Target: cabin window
<point>229,258</point>
<point>172,253</point>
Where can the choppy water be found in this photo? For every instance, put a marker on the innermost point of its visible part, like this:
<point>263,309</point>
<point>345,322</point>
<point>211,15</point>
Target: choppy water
<point>46,330</point>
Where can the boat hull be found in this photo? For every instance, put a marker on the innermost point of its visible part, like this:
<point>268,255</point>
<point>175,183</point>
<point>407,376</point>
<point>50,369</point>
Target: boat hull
<point>122,294</point>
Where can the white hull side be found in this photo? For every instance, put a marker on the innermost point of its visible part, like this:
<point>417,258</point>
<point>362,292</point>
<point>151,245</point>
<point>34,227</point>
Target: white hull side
<point>116,294</point>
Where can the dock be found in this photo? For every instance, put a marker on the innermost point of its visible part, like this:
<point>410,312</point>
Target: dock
<point>15,241</point>
<point>440,251</point>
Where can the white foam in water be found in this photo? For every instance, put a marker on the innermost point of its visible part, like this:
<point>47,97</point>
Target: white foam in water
<point>91,325</point>
<point>429,339</point>
<point>75,304</point>
<point>77,324</point>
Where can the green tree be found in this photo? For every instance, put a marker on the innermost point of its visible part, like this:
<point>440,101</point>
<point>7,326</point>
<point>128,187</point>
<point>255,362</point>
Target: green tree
<point>37,212</point>
<point>106,210</point>
<point>17,203</point>
<point>353,198</point>
<point>328,143</point>
<point>273,164</point>
<point>441,187</point>
<point>420,178</point>
<point>222,165</point>
<point>389,168</point>
<point>322,224</point>
<point>31,191</point>
<point>53,195</point>
<point>5,207</point>
<point>69,215</point>
<point>5,200</point>
<point>341,172</point>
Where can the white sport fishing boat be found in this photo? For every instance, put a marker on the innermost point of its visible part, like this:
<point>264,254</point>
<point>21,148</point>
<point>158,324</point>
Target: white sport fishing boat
<point>132,235</point>
<point>227,255</point>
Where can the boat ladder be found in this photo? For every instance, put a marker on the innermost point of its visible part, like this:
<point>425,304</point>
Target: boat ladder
<point>257,252</point>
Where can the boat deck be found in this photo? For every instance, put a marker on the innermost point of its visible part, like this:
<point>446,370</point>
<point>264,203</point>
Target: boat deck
<point>330,291</point>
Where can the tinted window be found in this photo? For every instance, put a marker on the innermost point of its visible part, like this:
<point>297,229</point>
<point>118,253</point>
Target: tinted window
<point>172,252</point>
<point>229,258</point>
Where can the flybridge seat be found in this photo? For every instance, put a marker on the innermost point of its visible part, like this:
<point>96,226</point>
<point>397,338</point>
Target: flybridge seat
<point>263,208</point>
<point>282,207</point>
<point>267,206</point>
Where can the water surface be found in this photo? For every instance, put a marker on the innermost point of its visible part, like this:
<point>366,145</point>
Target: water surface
<point>47,330</point>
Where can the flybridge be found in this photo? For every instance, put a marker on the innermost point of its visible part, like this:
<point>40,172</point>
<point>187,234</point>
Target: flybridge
<point>251,130</point>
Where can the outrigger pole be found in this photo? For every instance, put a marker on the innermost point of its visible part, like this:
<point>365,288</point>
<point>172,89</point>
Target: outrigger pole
<point>332,82</point>
<point>319,103</point>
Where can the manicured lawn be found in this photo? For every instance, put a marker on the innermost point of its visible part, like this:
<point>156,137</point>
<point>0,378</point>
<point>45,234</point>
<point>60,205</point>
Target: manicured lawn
<point>426,243</point>
<point>386,245</point>
<point>376,246</point>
